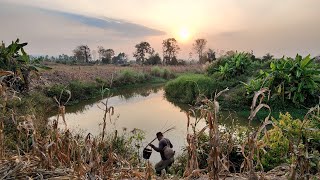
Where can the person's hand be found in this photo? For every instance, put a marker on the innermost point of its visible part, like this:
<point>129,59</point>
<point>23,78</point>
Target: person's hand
<point>151,145</point>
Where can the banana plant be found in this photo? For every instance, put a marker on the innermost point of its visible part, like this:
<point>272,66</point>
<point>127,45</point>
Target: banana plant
<point>14,58</point>
<point>225,71</point>
<point>294,79</point>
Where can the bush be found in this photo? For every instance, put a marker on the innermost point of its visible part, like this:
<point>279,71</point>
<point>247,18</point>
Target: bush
<point>289,138</point>
<point>162,72</point>
<point>290,80</point>
<point>231,65</point>
<point>167,74</point>
<point>79,91</point>
<point>186,88</point>
<point>130,77</point>
<point>156,71</point>
<point>277,146</point>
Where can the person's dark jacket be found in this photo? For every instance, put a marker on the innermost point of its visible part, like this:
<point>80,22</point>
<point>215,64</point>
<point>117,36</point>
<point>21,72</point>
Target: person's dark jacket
<point>163,143</point>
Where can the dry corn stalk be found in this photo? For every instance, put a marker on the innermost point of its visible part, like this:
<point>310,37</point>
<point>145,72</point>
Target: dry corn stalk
<point>252,143</point>
<point>148,173</point>
<point>62,108</point>
<point>2,148</point>
<point>192,162</point>
<point>60,154</point>
<point>214,161</point>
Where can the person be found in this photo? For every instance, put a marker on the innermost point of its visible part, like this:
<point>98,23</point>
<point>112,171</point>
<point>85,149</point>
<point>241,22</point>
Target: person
<point>167,157</point>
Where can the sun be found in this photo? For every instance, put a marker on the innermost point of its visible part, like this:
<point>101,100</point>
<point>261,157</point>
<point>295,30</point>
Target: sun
<point>184,34</point>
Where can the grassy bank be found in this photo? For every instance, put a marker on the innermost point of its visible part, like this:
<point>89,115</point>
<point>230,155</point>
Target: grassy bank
<point>127,78</point>
<point>186,88</point>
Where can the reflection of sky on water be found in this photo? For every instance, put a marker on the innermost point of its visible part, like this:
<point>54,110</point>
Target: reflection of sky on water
<point>150,113</point>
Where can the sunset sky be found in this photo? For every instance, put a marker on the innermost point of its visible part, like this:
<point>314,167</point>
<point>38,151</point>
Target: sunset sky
<point>281,27</point>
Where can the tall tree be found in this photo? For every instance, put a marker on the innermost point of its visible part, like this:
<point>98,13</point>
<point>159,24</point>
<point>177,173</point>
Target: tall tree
<point>154,59</point>
<point>82,53</point>
<point>170,49</point>
<point>142,49</point>
<point>199,45</point>
<point>211,55</point>
<point>106,55</point>
<point>121,58</point>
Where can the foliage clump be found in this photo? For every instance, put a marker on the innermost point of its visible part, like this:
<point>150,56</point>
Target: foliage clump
<point>13,58</point>
<point>191,85</point>
<point>232,65</point>
<point>293,80</point>
<point>164,73</point>
<point>129,77</point>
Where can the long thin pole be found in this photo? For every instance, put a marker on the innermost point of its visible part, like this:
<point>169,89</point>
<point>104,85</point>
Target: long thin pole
<point>162,133</point>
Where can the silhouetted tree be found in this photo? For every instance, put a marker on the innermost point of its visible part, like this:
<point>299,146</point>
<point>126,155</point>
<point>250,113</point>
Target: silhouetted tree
<point>199,45</point>
<point>142,49</point>
<point>82,53</point>
<point>211,55</point>
<point>170,49</point>
<point>106,55</point>
<point>154,59</point>
<point>121,58</point>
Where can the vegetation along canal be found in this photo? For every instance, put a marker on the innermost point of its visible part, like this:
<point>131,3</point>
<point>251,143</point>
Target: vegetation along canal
<point>144,108</point>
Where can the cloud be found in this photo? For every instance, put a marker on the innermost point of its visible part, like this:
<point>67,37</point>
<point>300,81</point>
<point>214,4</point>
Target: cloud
<point>54,32</point>
<point>119,27</point>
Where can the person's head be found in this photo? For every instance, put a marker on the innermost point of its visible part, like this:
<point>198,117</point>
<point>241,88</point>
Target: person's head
<point>159,135</point>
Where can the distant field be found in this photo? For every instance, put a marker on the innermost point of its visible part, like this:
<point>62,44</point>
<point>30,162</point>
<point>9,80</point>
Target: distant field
<point>62,74</point>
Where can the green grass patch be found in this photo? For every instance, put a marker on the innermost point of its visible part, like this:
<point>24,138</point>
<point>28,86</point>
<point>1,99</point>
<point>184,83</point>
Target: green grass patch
<point>164,73</point>
<point>79,91</point>
<point>186,88</point>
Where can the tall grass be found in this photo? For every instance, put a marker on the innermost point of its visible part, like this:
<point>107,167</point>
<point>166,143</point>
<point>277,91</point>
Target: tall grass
<point>186,88</point>
<point>129,77</point>
<point>164,73</point>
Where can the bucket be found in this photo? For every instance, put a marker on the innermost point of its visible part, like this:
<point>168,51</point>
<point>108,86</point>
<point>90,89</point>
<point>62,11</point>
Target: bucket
<point>146,153</point>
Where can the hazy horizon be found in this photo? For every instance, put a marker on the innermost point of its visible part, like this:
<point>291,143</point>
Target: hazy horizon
<point>284,27</point>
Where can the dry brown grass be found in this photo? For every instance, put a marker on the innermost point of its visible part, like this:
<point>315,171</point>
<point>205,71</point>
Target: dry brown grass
<point>59,154</point>
<point>63,74</point>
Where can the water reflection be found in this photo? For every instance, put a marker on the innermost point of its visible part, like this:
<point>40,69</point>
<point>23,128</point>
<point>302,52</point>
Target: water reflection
<point>124,94</point>
<point>226,117</point>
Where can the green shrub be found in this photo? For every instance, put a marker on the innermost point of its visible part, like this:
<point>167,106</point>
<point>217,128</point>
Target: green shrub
<point>231,65</point>
<point>130,77</point>
<point>234,99</point>
<point>186,88</point>
<point>277,146</point>
<point>167,74</point>
<point>79,91</point>
<point>290,80</point>
<point>286,138</point>
<point>156,71</point>
<point>162,72</point>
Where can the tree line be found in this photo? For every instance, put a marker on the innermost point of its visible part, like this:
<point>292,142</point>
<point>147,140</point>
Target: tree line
<point>144,54</point>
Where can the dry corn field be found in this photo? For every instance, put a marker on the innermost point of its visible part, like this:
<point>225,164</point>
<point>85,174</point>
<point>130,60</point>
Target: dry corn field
<point>63,74</point>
